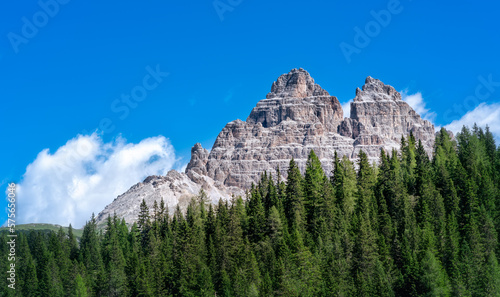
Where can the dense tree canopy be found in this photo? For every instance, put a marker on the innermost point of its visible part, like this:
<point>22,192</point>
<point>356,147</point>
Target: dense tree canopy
<point>409,226</point>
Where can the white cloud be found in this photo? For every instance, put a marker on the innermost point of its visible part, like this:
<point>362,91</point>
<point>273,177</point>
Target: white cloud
<point>85,175</point>
<point>416,101</point>
<point>482,115</point>
<point>346,106</point>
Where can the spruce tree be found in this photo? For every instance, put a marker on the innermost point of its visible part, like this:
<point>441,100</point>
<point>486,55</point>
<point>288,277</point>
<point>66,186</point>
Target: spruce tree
<point>72,244</point>
<point>91,257</point>
<point>344,183</point>
<point>144,222</point>
<point>294,201</point>
<point>114,261</point>
<point>365,253</point>
<point>27,282</point>
<point>80,289</point>
<point>256,215</point>
<point>433,277</point>
<point>314,196</point>
<point>133,261</point>
<point>408,163</point>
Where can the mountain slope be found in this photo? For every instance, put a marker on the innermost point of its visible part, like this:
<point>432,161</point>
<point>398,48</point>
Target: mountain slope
<point>296,117</point>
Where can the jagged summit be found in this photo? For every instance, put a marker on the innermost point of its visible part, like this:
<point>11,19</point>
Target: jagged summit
<point>296,117</point>
<point>296,97</point>
<point>198,162</point>
<point>298,83</point>
<point>375,90</point>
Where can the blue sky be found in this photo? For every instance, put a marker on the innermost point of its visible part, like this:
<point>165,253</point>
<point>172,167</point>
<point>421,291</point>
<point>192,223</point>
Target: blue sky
<point>64,67</point>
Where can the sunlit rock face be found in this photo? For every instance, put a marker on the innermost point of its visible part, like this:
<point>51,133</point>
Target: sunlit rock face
<point>379,118</point>
<point>296,117</point>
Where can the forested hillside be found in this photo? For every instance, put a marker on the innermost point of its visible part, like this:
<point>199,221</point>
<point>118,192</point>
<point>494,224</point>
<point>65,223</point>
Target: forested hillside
<point>410,226</point>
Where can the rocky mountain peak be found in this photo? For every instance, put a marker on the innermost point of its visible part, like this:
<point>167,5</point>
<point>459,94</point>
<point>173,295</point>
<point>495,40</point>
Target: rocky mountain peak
<point>296,117</point>
<point>199,157</point>
<point>298,83</point>
<point>379,118</point>
<point>375,90</point>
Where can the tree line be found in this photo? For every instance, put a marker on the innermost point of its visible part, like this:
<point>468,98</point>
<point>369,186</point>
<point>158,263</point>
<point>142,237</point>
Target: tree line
<point>409,226</point>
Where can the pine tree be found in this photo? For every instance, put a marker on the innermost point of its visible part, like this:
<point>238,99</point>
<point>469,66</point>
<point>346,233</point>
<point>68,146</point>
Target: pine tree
<point>433,277</point>
<point>144,222</point>
<point>344,183</point>
<point>365,254</point>
<point>256,215</point>
<point>59,248</point>
<point>294,201</point>
<point>489,145</point>
<point>385,224</point>
<point>271,199</point>
<point>446,166</point>
<point>365,257</point>
<point>491,276</point>
<point>48,274</point>
<point>114,261</point>
<point>133,261</point>
<point>158,268</point>
<point>72,244</point>
<point>451,256</point>
<point>314,195</point>
<point>27,281</point>
<point>91,257</point>
<point>143,281</point>
<point>80,290</point>
<point>301,275</point>
<point>366,180</point>
<point>195,277</point>
<point>408,163</point>
<point>430,209</point>
<point>274,225</point>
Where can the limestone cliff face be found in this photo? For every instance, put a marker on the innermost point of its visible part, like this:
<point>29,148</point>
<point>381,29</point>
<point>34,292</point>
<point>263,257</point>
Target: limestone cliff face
<point>379,118</point>
<point>295,84</point>
<point>296,117</point>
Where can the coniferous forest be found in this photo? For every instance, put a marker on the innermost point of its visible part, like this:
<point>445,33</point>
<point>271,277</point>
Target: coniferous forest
<point>409,226</point>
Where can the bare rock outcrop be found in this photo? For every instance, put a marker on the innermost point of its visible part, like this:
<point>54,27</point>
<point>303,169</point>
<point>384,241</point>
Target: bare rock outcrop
<point>295,84</point>
<point>175,189</point>
<point>380,118</point>
<point>296,117</point>
<point>199,159</point>
<point>299,116</point>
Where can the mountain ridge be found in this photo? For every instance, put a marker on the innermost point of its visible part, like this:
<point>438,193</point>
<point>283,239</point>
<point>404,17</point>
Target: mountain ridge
<point>296,116</point>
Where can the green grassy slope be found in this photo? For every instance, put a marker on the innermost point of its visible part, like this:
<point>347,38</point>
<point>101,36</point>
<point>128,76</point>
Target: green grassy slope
<point>44,227</point>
